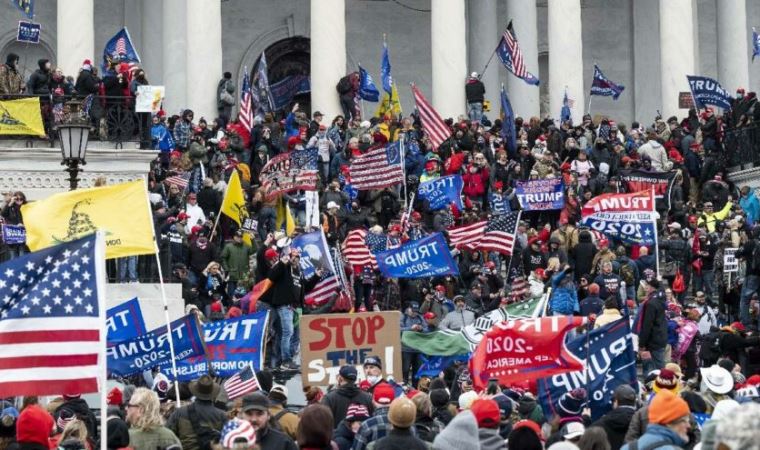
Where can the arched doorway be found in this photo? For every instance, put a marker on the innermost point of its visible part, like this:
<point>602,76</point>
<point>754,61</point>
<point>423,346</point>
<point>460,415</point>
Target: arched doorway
<point>286,59</point>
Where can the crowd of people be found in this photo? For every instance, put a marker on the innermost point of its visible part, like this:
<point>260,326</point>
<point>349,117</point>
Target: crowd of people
<point>685,374</point>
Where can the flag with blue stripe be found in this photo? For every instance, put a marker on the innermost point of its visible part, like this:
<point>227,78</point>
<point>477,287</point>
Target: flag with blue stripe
<point>385,70</point>
<point>119,49</point>
<point>755,44</point>
<point>508,132</point>
<point>565,114</point>
<point>601,85</point>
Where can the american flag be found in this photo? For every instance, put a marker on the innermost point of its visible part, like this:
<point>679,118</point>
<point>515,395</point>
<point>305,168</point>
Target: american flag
<point>355,249</point>
<point>237,429</point>
<point>180,180</point>
<point>241,383</point>
<point>378,168</point>
<point>500,233</point>
<point>467,236</point>
<point>323,290</point>
<point>121,46</point>
<point>511,56</point>
<point>51,311</point>
<point>246,108</point>
<point>434,126</point>
<point>376,242</point>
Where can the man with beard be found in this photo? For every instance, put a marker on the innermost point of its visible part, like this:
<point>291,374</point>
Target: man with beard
<point>11,82</point>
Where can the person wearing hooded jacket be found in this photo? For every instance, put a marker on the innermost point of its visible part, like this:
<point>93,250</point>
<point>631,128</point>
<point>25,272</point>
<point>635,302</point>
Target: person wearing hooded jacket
<point>656,152</point>
<point>347,392</point>
<point>617,421</point>
<point>39,81</point>
<point>11,82</point>
<point>582,255</point>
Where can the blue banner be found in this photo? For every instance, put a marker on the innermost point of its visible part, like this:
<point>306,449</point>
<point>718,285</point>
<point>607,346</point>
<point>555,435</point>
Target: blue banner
<point>231,345</point>
<point>755,44</point>
<point>541,195</point>
<point>426,257</point>
<point>443,191</point>
<point>385,70</point>
<point>707,91</point>
<point>604,87</point>
<point>150,350</point>
<point>125,321</point>
<point>565,113</point>
<point>119,49</point>
<point>28,32</point>
<point>367,89</point>
<point>315,254</point>
<point>499,203</point>
<point>611,362</point>
<point>284,90</point>
<point>432,366</point>
<point>14,234</point>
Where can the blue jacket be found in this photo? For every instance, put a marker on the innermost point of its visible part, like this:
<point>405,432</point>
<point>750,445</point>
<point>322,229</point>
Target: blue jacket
<point>658,433</point>
<point>407,322</point>
<point>751,206</point>
<point>564,296</point>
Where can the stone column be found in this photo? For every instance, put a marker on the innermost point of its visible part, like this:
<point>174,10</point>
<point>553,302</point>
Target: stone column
<point>483,34</point>
<point>76,35</point>
<point>449,57</point>
<point>152,55</point>
<point>676,53</point>
<point>204,56</point>
<point>525,99</point>
<point>328,55</point>
<point>565,57</point>
<point>174,37</point>
<point>733,52</point>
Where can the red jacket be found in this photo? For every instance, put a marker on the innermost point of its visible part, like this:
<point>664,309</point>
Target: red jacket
<point>475,183</point>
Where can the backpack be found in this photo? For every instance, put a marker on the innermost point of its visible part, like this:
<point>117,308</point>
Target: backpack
<point>710,350</point>
<point>344,86</point>
<point>205,437</point>
<point>626,273</point>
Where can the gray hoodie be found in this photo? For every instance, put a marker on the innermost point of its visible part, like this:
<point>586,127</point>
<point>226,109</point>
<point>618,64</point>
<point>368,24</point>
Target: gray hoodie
<point>490,439</point>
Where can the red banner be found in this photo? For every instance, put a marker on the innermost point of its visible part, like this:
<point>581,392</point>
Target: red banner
<point>524,349</point>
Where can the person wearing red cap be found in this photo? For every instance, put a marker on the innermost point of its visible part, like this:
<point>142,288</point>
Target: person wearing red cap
<point>377,426</point>
<point>488,415</point>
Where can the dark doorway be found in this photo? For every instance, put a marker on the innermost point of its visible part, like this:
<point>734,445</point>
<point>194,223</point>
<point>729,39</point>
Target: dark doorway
<point>287,58</point>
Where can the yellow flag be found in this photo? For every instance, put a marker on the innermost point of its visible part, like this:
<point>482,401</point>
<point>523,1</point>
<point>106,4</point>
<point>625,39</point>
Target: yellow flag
<point>233,205</point>
<point>121,210</point>
<point>283,217</point>
<point>21,116</point>
<point>389,103</point>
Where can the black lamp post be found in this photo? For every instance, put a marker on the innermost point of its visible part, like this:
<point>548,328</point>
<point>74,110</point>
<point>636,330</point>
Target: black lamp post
<point>73,138</point>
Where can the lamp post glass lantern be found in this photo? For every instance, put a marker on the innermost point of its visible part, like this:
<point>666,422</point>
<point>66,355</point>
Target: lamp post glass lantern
<point>73,139</point>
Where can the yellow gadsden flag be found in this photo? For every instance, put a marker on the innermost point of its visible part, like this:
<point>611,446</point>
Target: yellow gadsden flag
<point>21,116</point>
<point>233,205</point>
<point>121,211</point>
<point>390,104</point>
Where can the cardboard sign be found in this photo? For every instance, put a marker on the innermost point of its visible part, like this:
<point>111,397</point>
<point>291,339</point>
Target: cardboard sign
<point>329,341</point>
<point>685,100</point>
<point>730,263</point>
<point>28,32</point>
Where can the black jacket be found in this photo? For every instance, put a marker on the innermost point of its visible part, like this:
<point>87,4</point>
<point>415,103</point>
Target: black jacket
<point>654,325</point>
<point>343,436</point>
<point>474,90</point>
<point>400,439</point>
<point>271,439</point>
<point>339,399</point>
<point>582,255</point>
<point>289,287</point>
<point>39,81</point>
<point>87,83</point>
<point>676,249</point>
<point>82,411</point>
<point>616,423</point>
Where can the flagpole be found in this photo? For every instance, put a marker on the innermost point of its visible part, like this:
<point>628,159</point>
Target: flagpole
<point>588,108</point>
<point>165,302</point>
<point>403,166</point>
<point>100,279</point>
<point>656,241</point>
<point>219,214</point>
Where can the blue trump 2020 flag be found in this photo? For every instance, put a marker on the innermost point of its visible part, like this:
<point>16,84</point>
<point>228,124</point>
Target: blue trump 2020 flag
<point>611,362</point>
<point>125,321</point>
<point>565,114</point>
<point>443,191</point>
<point>426,257</point>
<point>385,70</point>
<point>152,349</point>
<point>601,85</point>
<point>707,91</point>
<point>367,89</point>
<point>755,44</point>
<point>508,133</point>
<point>119,49</point>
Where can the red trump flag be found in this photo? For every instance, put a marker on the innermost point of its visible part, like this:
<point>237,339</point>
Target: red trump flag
<point>524,349</point>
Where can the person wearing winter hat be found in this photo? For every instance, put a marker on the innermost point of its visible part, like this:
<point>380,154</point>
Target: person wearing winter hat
<point>460,434</point>
<point>439,398</point>
<point>667,380</point>
<point>344,434</point>
<point>466,400</point>
<point>571,403</point>
<point>528,408</point>
<point>117,433</point>
<point>488,415</point>
<point>723,411</point>
<point>81,409</point>
<point>373,371</point>
<point>669,423</point>
<point>401,415</point>
<point>33,428</point>
<point>506,405</point>
<point>739,433</point>
<point>377,426</point>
